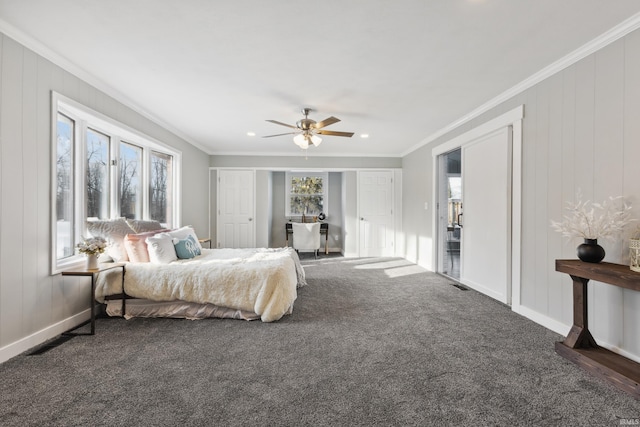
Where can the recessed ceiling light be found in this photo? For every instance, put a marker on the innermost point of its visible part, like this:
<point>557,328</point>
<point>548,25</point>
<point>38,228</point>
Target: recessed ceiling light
<point>364,135</point>
<point>251,133</point>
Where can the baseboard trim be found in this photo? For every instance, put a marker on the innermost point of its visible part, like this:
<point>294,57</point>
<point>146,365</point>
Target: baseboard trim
<point>15,348</point>
<point>541,319</point>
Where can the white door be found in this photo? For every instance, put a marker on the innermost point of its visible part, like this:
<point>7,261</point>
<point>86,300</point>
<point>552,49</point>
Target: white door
<point>375,194</point>
<point>486,232</point>
<point>236,227</point>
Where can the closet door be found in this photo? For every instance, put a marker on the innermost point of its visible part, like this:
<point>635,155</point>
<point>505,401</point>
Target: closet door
<point>375,196</point>
<point>236,201</point>
<point>486,243</point>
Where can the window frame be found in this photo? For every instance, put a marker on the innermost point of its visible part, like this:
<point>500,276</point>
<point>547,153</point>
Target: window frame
<point>325,190</point>
<point>86,118</point>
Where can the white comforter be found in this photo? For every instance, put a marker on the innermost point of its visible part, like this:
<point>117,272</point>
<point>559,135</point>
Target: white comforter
<point>262,281</point>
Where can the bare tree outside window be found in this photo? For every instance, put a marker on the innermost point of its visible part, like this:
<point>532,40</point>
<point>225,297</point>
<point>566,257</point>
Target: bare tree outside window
<point>161,188</point>
<point>97,174</point>
<point>130,182</point>
<point>65,130</point>
<point>307,195</point>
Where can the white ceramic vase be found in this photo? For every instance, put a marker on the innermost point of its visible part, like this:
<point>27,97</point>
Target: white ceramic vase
<point>92,261</point>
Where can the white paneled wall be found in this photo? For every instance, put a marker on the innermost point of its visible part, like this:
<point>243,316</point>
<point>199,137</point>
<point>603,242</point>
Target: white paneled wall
<point>35,306</point>
<point>581,130</point>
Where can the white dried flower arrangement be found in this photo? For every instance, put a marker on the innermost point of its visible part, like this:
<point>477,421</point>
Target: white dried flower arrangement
<point>92,245</point>
<point>594,220</point>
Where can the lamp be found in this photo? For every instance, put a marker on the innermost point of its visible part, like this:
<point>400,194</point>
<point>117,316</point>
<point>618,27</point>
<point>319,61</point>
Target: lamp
<point>304,139</point>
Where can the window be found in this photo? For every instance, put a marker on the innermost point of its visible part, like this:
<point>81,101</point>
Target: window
<point>65,137</point>
<point>105,170</point>
<point>160,190</point>
<point>307,193</point>
<point>97,174</point>
<point>130,183</point>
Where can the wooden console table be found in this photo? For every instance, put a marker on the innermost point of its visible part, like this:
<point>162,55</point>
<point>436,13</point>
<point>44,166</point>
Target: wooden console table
<point>579,346</point>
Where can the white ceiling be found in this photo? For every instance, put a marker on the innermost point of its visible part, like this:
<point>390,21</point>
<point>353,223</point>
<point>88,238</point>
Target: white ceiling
<point>399,71</point>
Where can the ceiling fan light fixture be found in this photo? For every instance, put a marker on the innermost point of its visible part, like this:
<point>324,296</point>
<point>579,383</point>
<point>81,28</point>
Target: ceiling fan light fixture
<point>301,141</point>
<point>306,130</point>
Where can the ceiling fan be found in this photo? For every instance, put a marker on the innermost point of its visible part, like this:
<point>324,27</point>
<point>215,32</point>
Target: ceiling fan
<point>307,130</point>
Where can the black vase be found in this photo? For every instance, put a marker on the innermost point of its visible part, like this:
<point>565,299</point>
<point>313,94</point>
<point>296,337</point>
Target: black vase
<point>590,251</point>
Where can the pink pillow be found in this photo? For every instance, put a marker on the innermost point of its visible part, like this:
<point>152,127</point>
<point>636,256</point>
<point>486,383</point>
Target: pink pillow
<point>136,245</point>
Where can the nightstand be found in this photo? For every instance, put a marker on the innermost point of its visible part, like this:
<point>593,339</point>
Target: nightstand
<point>93,273</point>
<point>207,240</point>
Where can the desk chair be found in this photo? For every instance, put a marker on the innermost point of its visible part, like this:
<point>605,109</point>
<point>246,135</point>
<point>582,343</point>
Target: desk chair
<point>306,237</point>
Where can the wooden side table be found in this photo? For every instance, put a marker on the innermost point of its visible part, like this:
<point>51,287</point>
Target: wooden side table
<point>93,273</point>
<point>580,347</point>
<point>207,240</point>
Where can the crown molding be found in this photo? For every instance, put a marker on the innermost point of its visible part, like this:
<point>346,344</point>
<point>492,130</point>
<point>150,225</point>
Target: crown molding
<point>62,62</point>
<point>625,27</point>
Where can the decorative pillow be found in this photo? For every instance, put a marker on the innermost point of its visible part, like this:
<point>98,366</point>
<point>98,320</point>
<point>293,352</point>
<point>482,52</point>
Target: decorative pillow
<point>113,231</point>
<point>182,233</point>
<point>161,249</point>
<point>186,248</point>
<point>143,226</point>
<point>136,245</point>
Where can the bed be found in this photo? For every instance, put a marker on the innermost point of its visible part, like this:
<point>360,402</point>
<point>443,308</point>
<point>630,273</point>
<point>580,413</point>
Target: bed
<point>226,283</point>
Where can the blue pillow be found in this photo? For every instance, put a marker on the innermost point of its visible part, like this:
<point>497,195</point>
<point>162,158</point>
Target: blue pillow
<point>186,248</point>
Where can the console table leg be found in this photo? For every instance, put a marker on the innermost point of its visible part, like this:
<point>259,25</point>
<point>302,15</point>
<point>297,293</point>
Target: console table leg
<point>579,335</point>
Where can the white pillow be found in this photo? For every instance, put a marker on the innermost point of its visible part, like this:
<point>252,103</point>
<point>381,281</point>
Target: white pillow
<point>161,249</point>
<point>184,232</point>
<point>113,231</point>
<point>143,226</point>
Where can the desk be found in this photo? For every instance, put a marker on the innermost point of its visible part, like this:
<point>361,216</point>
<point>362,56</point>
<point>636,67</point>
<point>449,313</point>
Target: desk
<point>579,346</point>
<point>84,272</point>
<point>324,229</point>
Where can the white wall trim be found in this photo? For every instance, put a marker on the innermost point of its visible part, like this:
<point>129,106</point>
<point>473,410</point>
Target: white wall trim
<point>541,319</point>
<point>39,337</point>
<point>62,62</point>
<point>292,153</point>
<point>511,118</point>
<point>297,169</point>
<point>501,121</point>
<point>608,37</point>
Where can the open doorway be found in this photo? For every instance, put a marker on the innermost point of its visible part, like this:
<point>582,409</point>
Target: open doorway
<point>450,213</point>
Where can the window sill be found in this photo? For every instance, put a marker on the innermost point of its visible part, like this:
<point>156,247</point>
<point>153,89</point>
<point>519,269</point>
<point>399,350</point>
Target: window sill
<point>67,264</point>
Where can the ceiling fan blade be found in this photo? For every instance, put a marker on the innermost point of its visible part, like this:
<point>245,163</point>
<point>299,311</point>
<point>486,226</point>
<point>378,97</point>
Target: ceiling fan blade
<point>326,122</point>
<point>335,133</point>
<point>280,134</point>
<point>282,124</point>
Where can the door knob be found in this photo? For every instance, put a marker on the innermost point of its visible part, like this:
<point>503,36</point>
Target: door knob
<point>250,219</point>
<point>361,219</point>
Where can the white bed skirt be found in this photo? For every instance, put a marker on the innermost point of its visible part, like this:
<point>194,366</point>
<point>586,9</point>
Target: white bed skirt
<point>175,309</point>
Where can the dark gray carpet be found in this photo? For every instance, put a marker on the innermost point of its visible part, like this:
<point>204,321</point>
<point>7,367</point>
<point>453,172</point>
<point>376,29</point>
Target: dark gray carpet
<point>370,342</point>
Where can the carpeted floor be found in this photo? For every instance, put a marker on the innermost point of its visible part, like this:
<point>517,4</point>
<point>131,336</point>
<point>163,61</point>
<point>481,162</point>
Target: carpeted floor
<point>370,342</point>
